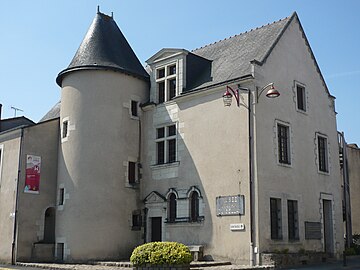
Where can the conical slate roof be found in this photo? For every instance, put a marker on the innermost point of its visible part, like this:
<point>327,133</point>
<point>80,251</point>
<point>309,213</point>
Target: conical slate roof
<point>105,47</point>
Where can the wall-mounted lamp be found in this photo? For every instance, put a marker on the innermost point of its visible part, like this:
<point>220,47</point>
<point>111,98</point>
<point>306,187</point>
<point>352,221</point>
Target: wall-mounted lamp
<point>229,93</point>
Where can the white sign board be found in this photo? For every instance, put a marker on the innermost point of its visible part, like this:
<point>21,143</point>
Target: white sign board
<point>237,227</point>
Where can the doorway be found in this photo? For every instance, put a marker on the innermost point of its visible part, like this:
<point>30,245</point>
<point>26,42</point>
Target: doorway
<point>156,231</point>
<point>49,226</point>
<point>328,226</point>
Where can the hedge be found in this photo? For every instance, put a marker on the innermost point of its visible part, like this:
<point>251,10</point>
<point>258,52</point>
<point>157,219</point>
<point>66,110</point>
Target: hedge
<point>161,253</point>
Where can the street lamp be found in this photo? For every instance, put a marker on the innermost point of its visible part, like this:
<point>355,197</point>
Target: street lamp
<point>229,93</point>
<point>227,98</point>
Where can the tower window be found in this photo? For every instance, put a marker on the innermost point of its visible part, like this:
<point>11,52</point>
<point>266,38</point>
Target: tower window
<point>131,172</point>
<point>283,144</point>
<point>134,108</point>
<point>65,128</point>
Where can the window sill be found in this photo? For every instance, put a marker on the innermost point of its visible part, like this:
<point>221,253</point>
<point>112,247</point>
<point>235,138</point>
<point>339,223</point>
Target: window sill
<point>301,111</point>
<point>165,165</point>
<point>323,173</point>
<point>284,164</point>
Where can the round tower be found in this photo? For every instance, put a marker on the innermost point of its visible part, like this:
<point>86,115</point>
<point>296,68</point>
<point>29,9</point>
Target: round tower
<point>98,197</point>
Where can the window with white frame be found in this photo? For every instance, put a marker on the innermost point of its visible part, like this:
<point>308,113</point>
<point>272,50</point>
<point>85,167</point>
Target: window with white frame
<point>323,163</point>
<point>283,136</point>
<point>166,83</point>
<point>166,144</point>
<point>300,97</point>
<point>275,218</point>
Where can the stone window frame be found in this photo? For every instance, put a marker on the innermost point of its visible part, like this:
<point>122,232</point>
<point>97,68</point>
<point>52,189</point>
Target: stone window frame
<point>129,184</point>
<point>289,143</point>
<point>317,153</point>
<point>136,220</point>
<point>304,97</point>
<point>169,217</point>
<point>166,79</point>
<point>294,222</point>
<point>278,235</point>
<point>166,139</point>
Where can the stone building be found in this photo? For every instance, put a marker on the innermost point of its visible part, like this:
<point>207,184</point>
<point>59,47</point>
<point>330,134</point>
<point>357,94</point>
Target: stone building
<point>132,155</point>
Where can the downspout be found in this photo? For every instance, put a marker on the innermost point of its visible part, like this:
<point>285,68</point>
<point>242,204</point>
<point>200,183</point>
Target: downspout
<point>13,245</point>
<point>250,184</point>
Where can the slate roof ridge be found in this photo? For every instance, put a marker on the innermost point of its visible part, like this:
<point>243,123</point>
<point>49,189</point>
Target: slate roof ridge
<point>247,31</point>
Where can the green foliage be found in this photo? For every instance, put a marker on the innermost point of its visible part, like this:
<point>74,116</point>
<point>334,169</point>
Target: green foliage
<point>161,253</point>
<point>302,251</point>
<point>356,243</point>
<point>350,251</point>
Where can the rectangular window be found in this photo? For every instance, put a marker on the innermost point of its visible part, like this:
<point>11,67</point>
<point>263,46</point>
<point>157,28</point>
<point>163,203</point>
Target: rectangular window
<point>136,220</point>
<point>293,222</point>
<point>300,96</point>
<point>172,70</point>
<point>275,218</point>
<point>160,73</point>
<point>131,172</point>
<point>61,196</point>
<point>65,129</point>
<point>161,92</point>
<point>322,154</point>
<point>166,144</point>
<point>166,80</point>
<point>283,144</point>
<point>172,88</point>
<point>134,108</point>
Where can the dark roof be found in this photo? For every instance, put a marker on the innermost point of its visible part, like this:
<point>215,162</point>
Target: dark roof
<point>231,58</point>
<point>53,113</point>
<point>16,122</point>
<point>105,47</point>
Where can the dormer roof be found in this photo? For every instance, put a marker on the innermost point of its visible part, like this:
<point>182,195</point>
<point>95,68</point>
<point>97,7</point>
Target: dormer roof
<point>105,48</point>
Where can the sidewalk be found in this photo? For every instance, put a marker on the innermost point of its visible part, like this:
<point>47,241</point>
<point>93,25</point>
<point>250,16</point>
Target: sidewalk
<point>127,266</point>
<point>353,262</point>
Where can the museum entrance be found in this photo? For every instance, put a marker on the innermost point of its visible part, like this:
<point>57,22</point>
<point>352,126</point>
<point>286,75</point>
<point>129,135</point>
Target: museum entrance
<point>156,224</point>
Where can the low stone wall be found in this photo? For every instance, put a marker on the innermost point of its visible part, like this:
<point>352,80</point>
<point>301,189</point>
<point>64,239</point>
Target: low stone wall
<point>292,259</point>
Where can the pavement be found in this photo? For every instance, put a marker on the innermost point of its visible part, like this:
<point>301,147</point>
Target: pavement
<point>353,262</point>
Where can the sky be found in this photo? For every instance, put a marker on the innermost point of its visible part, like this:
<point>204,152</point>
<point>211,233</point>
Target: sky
<point>40,37</point>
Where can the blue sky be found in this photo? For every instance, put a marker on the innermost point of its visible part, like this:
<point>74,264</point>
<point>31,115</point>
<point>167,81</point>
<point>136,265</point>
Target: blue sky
<point>39,39</point>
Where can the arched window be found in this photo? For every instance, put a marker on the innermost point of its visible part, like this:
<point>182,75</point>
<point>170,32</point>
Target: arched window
<point>194,206</point>
<point>172,207</point>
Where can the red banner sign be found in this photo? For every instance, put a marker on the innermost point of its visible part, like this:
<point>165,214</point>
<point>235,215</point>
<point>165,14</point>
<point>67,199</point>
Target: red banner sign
<point>32,180</point>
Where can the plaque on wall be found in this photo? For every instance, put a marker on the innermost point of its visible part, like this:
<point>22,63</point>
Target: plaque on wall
<point>230,205</point>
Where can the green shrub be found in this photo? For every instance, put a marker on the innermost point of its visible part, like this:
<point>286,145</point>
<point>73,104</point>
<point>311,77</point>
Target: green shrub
<point>350,251</point>
<point>161,253</point>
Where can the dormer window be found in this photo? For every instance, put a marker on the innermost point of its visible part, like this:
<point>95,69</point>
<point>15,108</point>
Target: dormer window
<point>166,82</point>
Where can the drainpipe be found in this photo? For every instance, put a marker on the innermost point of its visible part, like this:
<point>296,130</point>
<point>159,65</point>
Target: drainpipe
<point>13,245</point>
<point>252,259</point>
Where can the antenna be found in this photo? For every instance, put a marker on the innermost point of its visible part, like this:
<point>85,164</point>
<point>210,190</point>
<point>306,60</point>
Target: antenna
<point>98,9</point>
<point>15,110</point>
